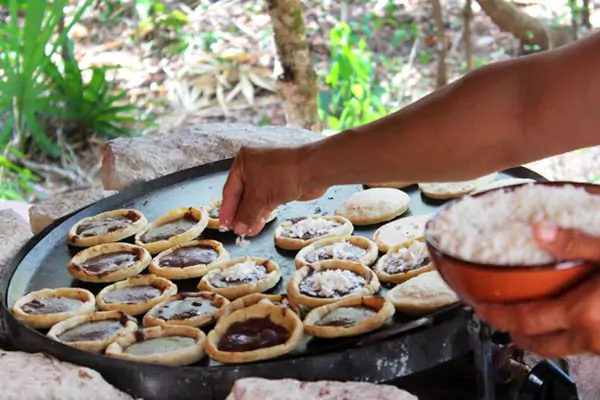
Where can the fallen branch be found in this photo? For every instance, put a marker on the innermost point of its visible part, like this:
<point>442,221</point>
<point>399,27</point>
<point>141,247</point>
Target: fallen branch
<point>585,14</point>
<point>46,168</point>
<point>527,29</point>
<point>406,69</point>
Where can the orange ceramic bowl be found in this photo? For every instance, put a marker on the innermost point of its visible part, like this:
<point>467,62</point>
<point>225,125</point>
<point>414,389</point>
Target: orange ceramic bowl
<point>478,283</point>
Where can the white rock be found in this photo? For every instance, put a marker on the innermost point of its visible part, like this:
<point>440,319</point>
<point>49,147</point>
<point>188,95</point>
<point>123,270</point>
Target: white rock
<point>291,389</point>
<point>584,369</point>
<point>14,233</point>
<point>130,160</point>
<point>47,211</point>
<point>40,377</point>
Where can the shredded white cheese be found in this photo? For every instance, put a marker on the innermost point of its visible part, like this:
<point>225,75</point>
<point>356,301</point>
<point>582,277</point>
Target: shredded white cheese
<point>223,228</point>
<point>342,250</point>
<point>412,255</point>
<point>239,271</point>
<point>497,227</point>
<point>242,241</point>
<point>327,282</point>
<point>310,225</point>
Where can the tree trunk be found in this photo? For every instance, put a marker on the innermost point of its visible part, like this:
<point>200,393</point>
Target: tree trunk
<point>527,29</point>
<point>298,80</point>
<point>468,17</point>
<point>585,14</point>
<point>574,16</point>
<point>440,30</point>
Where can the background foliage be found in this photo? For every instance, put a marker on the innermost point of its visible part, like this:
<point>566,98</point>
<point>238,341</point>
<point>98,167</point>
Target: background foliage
<point>74,73</point>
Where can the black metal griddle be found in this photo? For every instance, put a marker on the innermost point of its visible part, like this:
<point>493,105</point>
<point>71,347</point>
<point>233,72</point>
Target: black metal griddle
<point>407,346</point>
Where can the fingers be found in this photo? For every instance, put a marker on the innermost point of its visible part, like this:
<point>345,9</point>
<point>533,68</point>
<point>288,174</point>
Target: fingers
<point>249,216</point>
<point>232,195</point>
<point>574,341</point>
<point>583,303</point>
<point>533,318</point>
<point>554,345</point>
<point>567,243</point>
<point>568,324</point>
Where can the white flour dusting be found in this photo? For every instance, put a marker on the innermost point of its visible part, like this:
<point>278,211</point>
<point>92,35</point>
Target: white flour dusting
<point>497,227</point>
<point>398,366</point>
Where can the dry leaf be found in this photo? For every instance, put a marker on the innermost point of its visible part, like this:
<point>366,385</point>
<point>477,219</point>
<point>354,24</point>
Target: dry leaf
<point>247,87</point>
<point>221,99</point>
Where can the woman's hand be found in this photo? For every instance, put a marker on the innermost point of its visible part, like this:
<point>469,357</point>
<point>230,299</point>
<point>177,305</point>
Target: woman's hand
<point>260,180</point>
<point>566,325</point>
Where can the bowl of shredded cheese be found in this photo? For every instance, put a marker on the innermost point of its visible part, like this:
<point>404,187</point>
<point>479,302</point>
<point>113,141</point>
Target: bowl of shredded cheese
<point>484,248</point>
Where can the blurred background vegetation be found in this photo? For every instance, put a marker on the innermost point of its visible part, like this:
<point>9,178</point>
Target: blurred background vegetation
<point>74,73</point>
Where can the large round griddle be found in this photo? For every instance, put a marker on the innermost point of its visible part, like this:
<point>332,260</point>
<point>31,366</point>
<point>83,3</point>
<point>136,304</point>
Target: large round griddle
<point>407,346</point>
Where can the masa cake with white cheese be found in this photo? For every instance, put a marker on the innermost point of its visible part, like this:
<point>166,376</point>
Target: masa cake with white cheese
<point>296,233</point>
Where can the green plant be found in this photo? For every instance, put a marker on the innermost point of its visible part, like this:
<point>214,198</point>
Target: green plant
<point>166,25</point>
<point>15,181</point>
<point>369,23</point>
<point>112,12</point>
<point>353,98</point>
<point>93,106</point>
<point>44,87</point>
<point>45,102</point>
<point>24,89</point>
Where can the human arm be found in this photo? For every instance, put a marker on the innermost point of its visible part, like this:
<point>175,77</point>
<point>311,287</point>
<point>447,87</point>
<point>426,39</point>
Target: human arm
<point>498,116</point>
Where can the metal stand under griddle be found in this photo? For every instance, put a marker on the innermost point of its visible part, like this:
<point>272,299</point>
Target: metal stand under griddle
<point>481,339</point>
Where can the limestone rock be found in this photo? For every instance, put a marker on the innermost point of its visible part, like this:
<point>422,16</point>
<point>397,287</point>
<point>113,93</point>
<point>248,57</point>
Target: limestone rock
<point>47,211</point>
<point>130,160</point>
<point>259,389</point>
<point>20,207</point>
<point>41,377</point>
<point>14,233</point>
<point>584,371</point>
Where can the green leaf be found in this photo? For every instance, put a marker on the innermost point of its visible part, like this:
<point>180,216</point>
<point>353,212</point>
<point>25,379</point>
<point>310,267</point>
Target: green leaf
<point>74,78</point>
<point>97,83</point>
<point>358,91</point>
<point>334,74</point>
<point>7,130</point>
<point>399,36</point>
<point>334,123</point>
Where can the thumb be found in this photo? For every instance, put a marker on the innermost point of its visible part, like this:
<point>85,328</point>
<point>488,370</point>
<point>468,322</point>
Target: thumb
<point>567,243</point>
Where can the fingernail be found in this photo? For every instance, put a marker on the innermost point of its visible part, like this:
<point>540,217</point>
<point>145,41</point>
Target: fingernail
<point>547,232</point>
<point>241,228</point>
